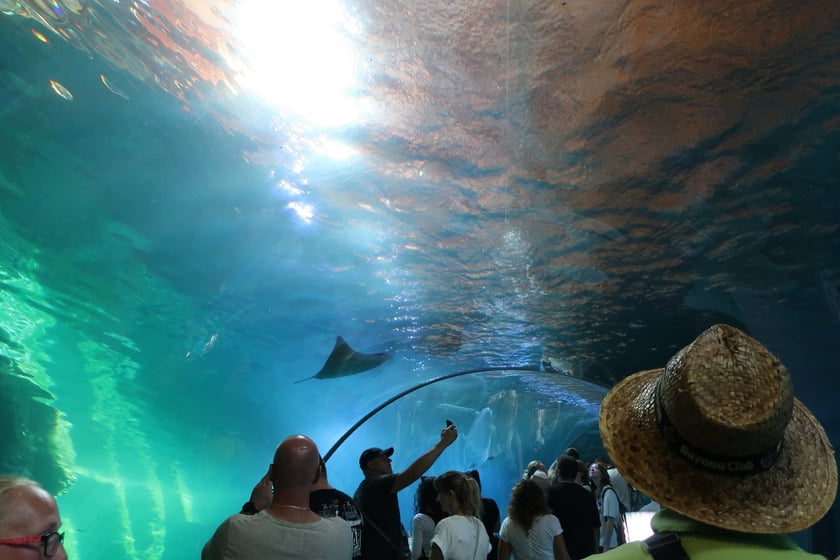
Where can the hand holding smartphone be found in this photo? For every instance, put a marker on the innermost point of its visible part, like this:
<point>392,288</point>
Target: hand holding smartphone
<point>449,434</point>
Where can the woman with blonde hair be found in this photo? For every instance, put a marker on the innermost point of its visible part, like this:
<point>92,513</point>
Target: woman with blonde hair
<point>461,536</point>
<point>530,531</point>
<point>533,467</point>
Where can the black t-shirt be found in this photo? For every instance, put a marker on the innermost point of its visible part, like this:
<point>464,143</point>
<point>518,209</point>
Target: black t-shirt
<point>577,511</point>
<point>329,502</point>
<point>490,516</point>
<point>380,508</point>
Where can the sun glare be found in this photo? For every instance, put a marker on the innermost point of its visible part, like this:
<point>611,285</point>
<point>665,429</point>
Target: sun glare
<point>304,211</point>
<point>338,151</point>
<point>299,57</point>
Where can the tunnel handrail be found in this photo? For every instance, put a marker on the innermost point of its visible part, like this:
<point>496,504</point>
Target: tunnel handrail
<point>413,388</point>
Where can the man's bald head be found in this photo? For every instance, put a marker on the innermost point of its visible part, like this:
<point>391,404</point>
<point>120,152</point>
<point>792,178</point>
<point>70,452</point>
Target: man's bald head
<point>26,509</point>
<point>24,505</point>
<point>295,462</point>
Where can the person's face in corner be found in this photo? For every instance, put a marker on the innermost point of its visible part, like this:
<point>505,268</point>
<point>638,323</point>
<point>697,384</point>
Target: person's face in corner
<point>37,515</point>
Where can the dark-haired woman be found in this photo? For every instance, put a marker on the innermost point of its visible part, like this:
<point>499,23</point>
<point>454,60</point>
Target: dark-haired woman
<point>607,506</point>
<point>427,514</point>
<point>461,536</point>
<point>530,531</point>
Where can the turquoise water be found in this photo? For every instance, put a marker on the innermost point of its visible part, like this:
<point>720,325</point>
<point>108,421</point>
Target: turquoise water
<point>178,246</point>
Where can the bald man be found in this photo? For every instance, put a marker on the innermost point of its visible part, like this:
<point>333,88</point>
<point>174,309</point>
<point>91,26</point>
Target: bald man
<point>287,529</point>
<point>29,521</point>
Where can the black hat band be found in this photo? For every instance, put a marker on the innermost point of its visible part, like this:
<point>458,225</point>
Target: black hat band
<point>724,464</point>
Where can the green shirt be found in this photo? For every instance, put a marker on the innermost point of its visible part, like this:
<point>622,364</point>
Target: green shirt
<point>704,542</point>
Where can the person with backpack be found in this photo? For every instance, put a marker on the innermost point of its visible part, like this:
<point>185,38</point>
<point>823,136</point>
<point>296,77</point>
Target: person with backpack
<point>609,506</point>
<point>619,484</point>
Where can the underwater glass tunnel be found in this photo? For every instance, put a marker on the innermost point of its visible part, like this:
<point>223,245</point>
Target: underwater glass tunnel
<point>503,208</point>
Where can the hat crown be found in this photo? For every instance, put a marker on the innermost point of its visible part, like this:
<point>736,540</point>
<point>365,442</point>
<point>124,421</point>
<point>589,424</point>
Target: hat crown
<point>727,395</point>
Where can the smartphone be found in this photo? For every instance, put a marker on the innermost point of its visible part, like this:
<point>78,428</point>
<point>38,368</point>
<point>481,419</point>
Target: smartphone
<point>448,423</point>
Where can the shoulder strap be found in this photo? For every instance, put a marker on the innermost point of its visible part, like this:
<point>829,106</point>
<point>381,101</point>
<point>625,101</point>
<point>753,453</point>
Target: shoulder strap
<point>621,513</point>
<point>665,546</point>
<point>479,526</point>
<point>380,531</point>
<point>621,522</point>
<point>620,503</point>
<point>367,520</point>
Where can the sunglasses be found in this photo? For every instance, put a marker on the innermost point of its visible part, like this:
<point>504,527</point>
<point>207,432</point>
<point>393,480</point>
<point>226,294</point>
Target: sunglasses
<point>51,541</point>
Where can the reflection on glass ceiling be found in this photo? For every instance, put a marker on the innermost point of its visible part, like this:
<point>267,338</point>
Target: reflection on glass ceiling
<point>555,176</point>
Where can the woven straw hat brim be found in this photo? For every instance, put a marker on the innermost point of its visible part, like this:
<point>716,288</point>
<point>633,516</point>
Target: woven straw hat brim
<point>792,495</point>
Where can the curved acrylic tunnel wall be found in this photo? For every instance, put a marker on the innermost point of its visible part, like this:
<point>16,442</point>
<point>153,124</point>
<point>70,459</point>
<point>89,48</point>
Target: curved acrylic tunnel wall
<point>505,419</point>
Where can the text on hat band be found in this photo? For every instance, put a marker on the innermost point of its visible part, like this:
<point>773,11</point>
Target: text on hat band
<point>742,465</point>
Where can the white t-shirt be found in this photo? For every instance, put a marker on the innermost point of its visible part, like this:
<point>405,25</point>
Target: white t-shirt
<point>609,508</point>
<point>538,544</point>
<point>422,531</point>
<point>461,537</point>
<point>621,487</point>
<point>264,536</point>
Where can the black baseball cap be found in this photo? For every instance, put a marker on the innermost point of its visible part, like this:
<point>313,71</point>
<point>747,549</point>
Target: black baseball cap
<point>373,453</point>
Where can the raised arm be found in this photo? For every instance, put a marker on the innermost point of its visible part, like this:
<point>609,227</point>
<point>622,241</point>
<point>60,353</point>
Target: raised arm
<point>425,461</point>
<point>260,496</point>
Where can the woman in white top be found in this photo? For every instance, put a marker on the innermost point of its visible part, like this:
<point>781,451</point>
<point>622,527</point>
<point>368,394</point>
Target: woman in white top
<point>530,531</point>
<point>461,536</point>
<point>608,507</point>
<point>427,516</point>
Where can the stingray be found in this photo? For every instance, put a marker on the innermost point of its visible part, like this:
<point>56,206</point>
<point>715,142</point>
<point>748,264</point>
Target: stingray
<point>344,361</point>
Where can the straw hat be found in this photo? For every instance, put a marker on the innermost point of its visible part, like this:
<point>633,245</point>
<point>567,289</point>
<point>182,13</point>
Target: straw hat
<point>718,436</point>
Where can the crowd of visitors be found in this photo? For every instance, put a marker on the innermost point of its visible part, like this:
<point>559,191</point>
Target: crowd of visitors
<point>715,429</point>
<point>715,440</point>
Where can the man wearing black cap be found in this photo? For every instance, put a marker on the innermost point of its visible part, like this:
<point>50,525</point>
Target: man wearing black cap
<point>383,535</point>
